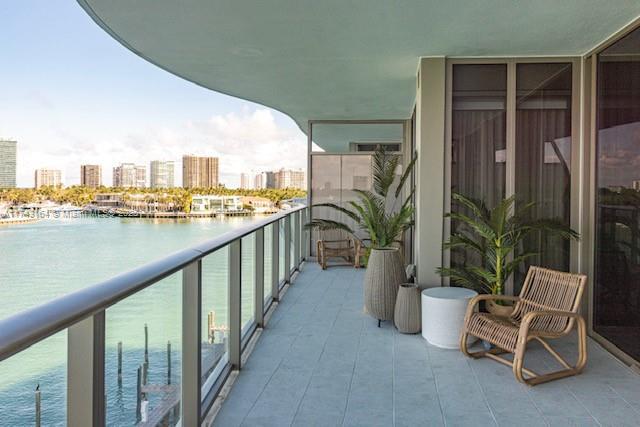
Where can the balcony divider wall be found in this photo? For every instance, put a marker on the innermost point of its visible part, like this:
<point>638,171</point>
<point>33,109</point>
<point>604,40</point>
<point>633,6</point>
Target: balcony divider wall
<point>334,174</point>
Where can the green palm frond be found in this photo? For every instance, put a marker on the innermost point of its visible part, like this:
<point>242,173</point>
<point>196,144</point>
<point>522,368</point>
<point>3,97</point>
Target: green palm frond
<point>405,175</point>
<point>465,278</point>
<point>477,207</point>
<point>354,216</point>
<point>477,224</point>
<point>384,168</point>
<point>496,236</point>
<point>327,224</point>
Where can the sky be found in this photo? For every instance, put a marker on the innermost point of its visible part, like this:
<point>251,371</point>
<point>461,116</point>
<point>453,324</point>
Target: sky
<point>72,95</point>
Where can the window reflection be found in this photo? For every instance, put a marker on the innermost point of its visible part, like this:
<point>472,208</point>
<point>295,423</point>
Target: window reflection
<point>478,138</point>
<point>543,157</point>
<point>617,287</point>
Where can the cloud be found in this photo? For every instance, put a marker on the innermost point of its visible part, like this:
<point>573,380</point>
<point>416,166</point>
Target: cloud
<point>245,141</point>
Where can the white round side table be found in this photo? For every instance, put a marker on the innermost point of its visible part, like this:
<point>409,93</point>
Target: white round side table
<point>443,310</point>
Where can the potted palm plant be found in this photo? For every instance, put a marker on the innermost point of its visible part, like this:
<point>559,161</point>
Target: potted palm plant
<point>382,217</point>
<point>495,237</point>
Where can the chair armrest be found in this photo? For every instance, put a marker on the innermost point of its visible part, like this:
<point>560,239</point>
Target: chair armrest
<point>530,316</point>
<point>483,297</point>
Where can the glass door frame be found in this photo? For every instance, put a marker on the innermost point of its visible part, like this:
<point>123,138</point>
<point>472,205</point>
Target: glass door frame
<point>577,146</point>
<point>590,136</point>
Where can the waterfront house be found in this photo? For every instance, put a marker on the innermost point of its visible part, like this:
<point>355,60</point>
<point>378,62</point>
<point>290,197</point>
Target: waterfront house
<point>108,200</point>
<point>538,99</point>
<point>210,204</point>
<point>259,205</point>
<point>142,202</point>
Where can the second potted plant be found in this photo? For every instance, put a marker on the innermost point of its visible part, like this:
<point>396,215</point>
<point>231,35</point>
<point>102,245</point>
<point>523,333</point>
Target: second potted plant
<point>383,217</point>
<point>495,238</point>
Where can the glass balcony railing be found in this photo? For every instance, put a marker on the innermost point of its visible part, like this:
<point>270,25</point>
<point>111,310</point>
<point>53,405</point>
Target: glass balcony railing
<point>132,360</point>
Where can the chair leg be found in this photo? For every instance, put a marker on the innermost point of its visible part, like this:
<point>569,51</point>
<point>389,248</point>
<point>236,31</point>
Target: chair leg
<point>464,348</point>
<point>518,359</point>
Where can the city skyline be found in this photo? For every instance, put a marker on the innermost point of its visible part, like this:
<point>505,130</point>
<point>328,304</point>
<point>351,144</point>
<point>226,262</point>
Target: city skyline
<point>144,113</point>
<point>161,174</point>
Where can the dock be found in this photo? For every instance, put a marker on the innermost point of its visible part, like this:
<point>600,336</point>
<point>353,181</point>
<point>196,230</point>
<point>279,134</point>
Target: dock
<point>17,220</point>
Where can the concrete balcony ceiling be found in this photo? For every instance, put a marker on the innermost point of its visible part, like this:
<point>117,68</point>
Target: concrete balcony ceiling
<point>338,59</point>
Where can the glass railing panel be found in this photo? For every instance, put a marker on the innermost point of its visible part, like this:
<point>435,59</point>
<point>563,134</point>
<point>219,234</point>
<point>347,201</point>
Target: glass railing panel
<point>143,338</point>
<point>268,257</point>
<point>215,316</point>
<point>37,374</point>
<point>247,314</point>
<point>281,268</point>
<point>292,247</point>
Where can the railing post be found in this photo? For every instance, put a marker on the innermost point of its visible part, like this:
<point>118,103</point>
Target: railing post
<point>85,372</point>
<point>287,249</point>
<point>305,234</point>
<point>296,240</point>
<point>191,340</point>
<point>235,302</point>
<point>258,291</point>
<point>275,260</point>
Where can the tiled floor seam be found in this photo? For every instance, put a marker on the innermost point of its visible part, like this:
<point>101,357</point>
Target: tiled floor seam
<point>484,396</point>
<point>353,371</point>
<point>274,371</point>
<point>572,394</point>
<point>324,346</point>
<point>435,382</point>
<point>308,286</point>
<point>393,376</point>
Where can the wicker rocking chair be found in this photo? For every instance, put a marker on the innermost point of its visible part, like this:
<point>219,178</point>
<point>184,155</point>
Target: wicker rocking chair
<point>547,308</point>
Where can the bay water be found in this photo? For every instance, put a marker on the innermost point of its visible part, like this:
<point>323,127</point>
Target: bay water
<point>47,259</point>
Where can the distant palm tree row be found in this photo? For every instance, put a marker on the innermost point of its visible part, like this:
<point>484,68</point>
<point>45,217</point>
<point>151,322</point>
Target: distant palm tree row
<point>80,196</point>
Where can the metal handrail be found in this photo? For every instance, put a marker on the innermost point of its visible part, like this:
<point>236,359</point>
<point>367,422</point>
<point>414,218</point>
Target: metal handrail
<point>24,329</point>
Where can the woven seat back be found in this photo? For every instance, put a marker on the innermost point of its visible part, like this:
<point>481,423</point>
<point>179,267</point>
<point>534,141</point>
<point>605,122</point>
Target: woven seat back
<point>546,289</point>
<point>335,239</point>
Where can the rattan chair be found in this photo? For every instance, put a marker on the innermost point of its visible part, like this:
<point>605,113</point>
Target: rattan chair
<point>547,308</point>
<point>337,243</point>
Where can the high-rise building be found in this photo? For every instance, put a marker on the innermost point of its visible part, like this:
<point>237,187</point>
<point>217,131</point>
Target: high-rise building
<point>636,185</point>
<point>48,178</point>
<point>161,174</point>
<point>246,181</point>
<point>265,180</point>
<point>129,175</point>
<point>8,163</point>
<point>91,176</point>
<point>288,178</point>
<point>199,172</point>
<point>260,181</point>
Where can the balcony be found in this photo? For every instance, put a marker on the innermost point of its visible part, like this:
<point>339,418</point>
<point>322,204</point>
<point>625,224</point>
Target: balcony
<point>321,361</point>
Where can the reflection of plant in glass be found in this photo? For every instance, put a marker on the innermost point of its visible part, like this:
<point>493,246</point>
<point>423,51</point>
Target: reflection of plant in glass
<point>495,236</point>
<point>375,212</point>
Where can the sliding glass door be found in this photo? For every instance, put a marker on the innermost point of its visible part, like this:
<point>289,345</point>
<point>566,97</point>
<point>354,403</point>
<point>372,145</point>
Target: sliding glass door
<point>543,157</point>
<point>511,132</point>
<point>478,138</point>
<point>616,305</point>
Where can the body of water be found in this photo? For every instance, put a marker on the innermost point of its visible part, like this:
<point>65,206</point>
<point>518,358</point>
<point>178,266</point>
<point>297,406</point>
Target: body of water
<point>50,258</point>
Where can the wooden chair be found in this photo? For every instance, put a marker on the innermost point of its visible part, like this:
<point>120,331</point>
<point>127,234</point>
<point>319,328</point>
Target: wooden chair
<point>337,243</point>
<point>547,308</point>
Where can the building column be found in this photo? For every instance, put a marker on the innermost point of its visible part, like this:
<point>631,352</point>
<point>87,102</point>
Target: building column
<point>430,169</point>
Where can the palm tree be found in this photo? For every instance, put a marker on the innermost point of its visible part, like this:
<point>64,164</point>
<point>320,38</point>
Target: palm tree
<point>495,236</point>
<point>375,212</point>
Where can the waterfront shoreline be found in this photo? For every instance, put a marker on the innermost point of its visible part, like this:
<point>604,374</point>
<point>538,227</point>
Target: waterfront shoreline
<point>15,221</point>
